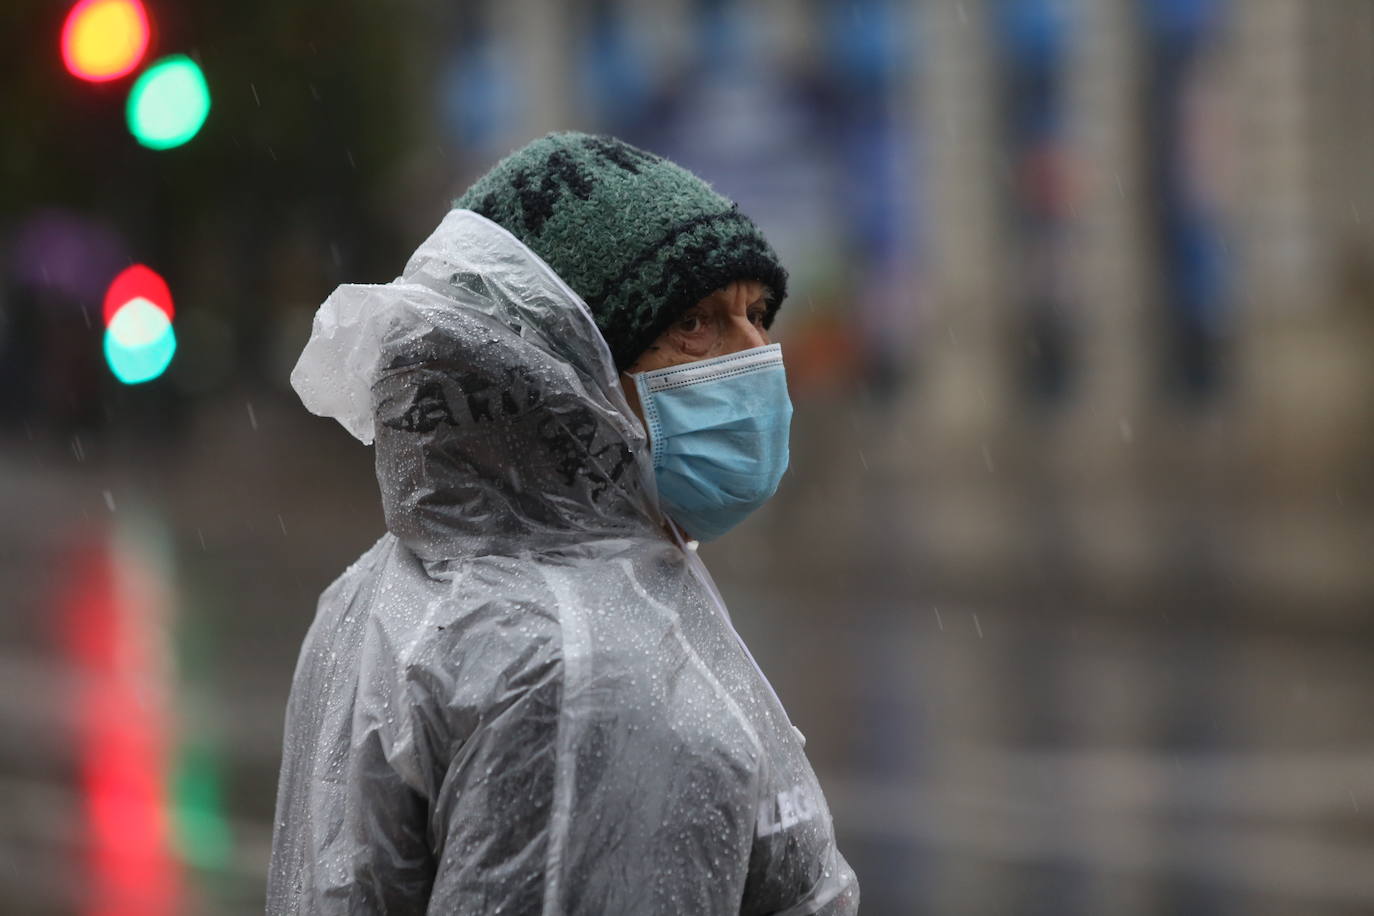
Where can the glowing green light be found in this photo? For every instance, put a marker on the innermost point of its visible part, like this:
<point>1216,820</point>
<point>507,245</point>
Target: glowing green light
<point>139,343</point>
<point>202,834</point>
<point>168,103</point>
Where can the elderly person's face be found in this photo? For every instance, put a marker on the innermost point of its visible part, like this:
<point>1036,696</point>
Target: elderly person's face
<point>725,322</point>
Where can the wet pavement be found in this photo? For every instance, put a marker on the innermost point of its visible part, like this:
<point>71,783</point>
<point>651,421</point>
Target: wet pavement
<point>987,747</point>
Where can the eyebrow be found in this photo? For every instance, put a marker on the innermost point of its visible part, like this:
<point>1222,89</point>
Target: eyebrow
<point>763,298</point>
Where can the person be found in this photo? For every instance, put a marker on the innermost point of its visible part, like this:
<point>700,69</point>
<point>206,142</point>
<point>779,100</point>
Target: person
<point>527,696</point>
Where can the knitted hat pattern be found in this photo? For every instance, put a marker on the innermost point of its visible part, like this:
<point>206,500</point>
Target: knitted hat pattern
<point>639,238</point>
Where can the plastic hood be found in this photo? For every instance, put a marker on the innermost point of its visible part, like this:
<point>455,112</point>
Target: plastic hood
<point>499,421</point>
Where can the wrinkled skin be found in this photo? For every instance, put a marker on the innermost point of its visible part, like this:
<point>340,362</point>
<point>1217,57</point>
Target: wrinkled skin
<point>727,321</point>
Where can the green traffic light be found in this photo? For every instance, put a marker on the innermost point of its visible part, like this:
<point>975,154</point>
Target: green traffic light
<point>169,103</point>
<point>139,342</point>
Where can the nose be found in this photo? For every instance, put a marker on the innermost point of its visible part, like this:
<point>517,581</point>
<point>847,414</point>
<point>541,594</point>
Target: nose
<point>745,335</point>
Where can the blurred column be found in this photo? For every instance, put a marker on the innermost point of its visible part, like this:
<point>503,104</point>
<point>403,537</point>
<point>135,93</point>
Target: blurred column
<point>1112,275</point>
<point>1343,104</point>
<point>791,30</point>
<point>543,37</point>
<point>1109,273</point>
<point>967,378</point>
<point>668,29</point>
<point>961,399</point>
<point>1277,221</point>
<point>1305,191</point>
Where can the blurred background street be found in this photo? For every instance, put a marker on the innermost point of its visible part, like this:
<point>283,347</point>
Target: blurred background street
<point>1071,584</point>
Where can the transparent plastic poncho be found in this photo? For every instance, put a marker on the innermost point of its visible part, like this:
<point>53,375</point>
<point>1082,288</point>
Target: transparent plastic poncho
<point>527,696</point>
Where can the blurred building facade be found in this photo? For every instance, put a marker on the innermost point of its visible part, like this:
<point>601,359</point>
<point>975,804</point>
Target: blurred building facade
<point>1213,275</point>
<point>1101,270</point>
<point>1113,297</point>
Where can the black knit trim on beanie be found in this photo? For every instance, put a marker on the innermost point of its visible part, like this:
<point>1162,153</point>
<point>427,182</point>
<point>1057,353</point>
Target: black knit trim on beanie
<point>652,252</point>
<point>640,238</point>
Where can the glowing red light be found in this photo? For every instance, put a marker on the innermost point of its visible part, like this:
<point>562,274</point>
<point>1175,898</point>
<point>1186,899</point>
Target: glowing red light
<point>137,282</point>
<point>123,735</point>
<point>104,39</point>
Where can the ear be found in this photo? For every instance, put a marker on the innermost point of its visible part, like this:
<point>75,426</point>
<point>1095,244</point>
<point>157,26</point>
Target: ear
<point>631,390</point>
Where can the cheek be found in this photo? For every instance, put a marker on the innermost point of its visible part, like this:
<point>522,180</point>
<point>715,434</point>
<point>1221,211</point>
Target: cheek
<point>682,347</point>
<point>663,353</point>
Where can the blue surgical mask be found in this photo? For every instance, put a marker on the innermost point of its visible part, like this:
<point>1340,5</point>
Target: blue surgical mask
<point>718,429</point>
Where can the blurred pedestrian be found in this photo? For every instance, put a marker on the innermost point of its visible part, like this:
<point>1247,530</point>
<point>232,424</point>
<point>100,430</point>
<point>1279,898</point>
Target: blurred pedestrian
<point>528,697</point>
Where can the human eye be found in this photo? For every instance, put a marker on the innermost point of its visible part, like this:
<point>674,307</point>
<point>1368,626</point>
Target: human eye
<point>691,323</point>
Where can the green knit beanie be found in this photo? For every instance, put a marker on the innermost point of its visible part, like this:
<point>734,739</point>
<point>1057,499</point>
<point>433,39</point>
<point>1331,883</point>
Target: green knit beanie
<point>639,238</point>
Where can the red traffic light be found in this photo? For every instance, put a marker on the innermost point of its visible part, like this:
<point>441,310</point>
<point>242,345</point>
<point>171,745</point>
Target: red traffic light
<point>137,282</point>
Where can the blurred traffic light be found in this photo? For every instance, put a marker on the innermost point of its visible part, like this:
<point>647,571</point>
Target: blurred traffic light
<point>103,40</point>
<point>137,282</point>
<point>168,103</point>
<point>139,340</point>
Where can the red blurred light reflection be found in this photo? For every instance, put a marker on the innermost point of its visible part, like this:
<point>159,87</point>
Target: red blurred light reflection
<point>112,630</point>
